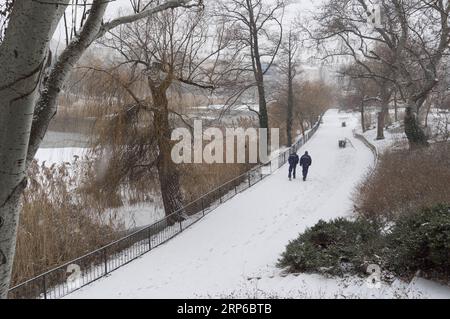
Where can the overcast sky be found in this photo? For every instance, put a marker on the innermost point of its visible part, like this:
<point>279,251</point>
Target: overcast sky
<point>291,11</point>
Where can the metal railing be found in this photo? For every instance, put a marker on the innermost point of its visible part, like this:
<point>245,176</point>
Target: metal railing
<point>57,282</point>
<point>371,147</point>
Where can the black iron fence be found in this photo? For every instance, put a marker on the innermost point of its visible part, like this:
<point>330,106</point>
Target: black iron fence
<point>84,270</point>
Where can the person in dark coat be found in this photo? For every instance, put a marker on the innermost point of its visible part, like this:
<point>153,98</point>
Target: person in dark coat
<point>305,162</point>
<point>293,162</point>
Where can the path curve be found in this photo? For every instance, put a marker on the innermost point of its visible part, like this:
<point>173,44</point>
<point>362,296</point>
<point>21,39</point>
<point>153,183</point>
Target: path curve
<point>242,240</point>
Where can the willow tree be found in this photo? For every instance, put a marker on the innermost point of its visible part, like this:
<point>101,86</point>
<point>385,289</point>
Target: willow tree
<point>177,48</point>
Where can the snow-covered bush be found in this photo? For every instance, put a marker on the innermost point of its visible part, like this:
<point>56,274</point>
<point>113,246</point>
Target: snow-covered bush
<point>336,247</point>
<point>421,241</point>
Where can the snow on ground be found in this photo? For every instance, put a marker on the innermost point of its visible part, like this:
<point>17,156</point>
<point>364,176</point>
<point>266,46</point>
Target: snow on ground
<point>59,155</point>
<point>233,251</point>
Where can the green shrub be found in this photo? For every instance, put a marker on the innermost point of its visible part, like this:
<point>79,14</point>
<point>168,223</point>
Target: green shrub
<point>405,181</point>
<point>421,241</point>
<point>334,247</point>
<point>418,241</point>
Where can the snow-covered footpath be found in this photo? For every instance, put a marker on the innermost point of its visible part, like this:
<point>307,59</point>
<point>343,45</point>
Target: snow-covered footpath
<point>233,252</point>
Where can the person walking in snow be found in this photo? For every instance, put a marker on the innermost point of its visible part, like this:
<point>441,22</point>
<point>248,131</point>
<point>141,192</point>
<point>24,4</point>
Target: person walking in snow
<point>305,162</point>
<point>293,162</point>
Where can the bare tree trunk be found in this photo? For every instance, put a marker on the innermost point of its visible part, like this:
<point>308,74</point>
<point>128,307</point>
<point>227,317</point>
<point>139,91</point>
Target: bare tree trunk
<point>22,58</point>
<point>383,114</point>
<point>93,28</point>
<point>168,175</point>
<point>290,105</point>
<point>414,132</point>
<point>263,116</point>
<point>290,51</point>
<point>363,122</point>
<point>427,114</point>
<point>380,126</point>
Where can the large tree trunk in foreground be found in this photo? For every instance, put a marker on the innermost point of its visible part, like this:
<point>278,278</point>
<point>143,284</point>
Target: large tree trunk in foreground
<point>363,122</point>
<point>46,105</point>
<point>290,104</point>
<point>168,174</point>
<point>396,106</point>
<point>22,58</point>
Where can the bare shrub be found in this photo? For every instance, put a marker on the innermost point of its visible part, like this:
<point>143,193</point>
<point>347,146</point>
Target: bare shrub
<point>59,221</point>
<point>406,181</point>
<point>199,179</point>
<point>442,126</point>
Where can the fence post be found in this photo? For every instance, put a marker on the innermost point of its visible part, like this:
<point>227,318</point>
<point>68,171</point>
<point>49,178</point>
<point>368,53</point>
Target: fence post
<point>181,224</point>
<point>203,207</point>
<point>149,233</point>
<point>44,286</point>
<point>105,261</point>
<point>249,181</point>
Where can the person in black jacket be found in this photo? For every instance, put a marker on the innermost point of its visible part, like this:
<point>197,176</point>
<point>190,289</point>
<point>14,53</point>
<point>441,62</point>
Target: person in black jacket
<point>305,162</point>
<point>293,162</point>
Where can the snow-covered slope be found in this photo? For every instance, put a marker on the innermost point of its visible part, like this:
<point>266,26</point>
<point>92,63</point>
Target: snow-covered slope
<point>59,155</point>
<point>233,251</point>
